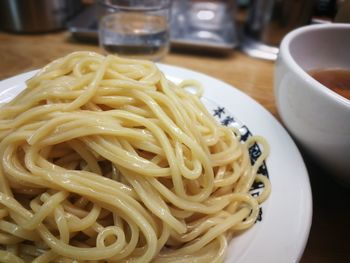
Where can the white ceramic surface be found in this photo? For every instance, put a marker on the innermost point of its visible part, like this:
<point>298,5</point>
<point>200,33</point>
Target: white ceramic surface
<point>317,117</point>
<point>282,233</point>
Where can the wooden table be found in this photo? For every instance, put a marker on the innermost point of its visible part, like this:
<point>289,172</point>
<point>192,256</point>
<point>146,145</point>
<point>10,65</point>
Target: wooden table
<point>329,239</point>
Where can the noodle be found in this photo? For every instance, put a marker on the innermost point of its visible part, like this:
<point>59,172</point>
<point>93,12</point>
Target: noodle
<point>105,160</point>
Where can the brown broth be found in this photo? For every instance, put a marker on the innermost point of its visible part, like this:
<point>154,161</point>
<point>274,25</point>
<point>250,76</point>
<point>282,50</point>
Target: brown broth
<point>337,80</point>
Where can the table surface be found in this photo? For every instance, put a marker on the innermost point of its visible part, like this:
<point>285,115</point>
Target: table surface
<point>329,239</point>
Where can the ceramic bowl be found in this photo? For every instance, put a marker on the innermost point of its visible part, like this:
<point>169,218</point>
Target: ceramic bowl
<point>317,117</point>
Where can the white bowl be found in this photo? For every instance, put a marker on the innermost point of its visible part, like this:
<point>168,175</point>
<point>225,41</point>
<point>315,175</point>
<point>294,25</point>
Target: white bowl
<point>318,118</point>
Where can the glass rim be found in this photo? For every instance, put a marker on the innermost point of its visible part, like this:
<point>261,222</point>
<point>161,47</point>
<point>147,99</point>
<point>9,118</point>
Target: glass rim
<point>163,5</point>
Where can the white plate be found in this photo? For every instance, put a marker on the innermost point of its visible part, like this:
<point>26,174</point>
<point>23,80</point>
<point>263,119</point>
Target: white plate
<point>282,233</point>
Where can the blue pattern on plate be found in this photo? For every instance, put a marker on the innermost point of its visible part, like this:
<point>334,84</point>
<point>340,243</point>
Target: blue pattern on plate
<point>227,119</point>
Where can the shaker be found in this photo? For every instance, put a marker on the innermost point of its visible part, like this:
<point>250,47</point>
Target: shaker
<point>269,21</point>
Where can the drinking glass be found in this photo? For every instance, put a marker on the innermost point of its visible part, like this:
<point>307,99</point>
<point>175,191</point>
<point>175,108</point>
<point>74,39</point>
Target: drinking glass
<point>136,28</point>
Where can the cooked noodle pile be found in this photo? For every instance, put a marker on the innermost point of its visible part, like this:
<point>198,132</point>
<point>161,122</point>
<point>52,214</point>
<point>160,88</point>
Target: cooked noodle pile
<point>102,159</point>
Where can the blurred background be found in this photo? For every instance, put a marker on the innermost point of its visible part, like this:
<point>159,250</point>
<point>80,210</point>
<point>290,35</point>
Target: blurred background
<point>216,26</point>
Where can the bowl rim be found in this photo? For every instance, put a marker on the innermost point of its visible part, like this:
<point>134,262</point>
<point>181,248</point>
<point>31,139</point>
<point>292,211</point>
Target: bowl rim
<point>290,61</point>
